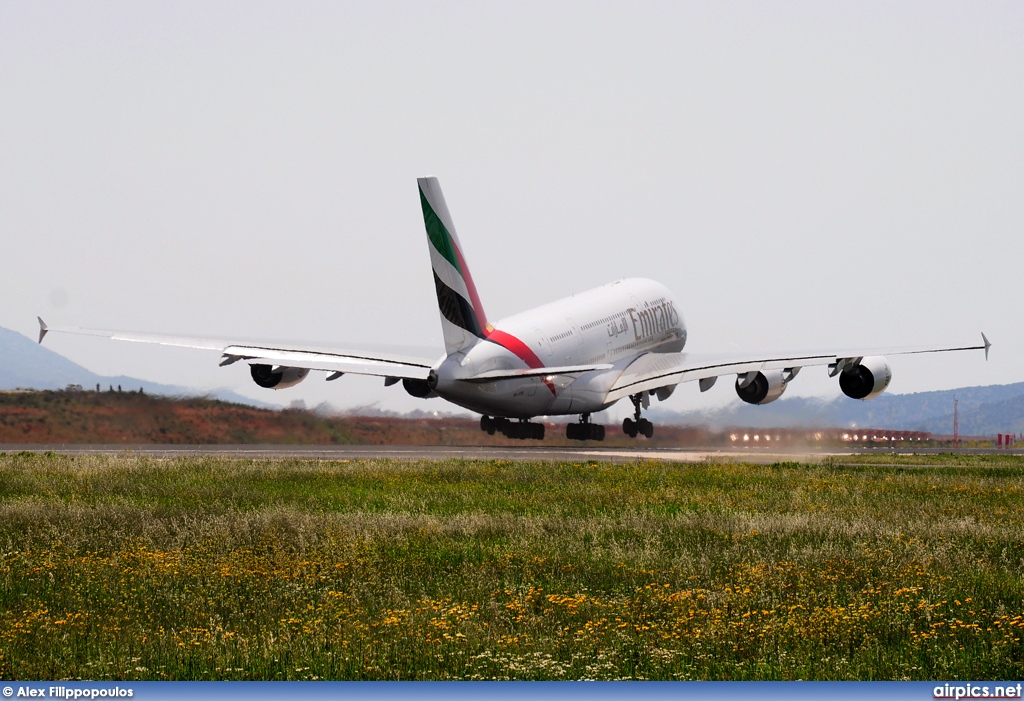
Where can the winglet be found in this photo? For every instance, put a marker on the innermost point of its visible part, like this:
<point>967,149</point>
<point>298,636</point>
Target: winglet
<point>988,344</point>
<point>42,328</point>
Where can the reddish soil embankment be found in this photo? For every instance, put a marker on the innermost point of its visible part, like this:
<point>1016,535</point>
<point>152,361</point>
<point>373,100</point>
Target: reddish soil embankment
<point>133,417</point>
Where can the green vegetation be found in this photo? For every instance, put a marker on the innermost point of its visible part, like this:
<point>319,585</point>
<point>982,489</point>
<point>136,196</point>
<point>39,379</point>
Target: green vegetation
<point>197,568</point>
<point>992,459</point>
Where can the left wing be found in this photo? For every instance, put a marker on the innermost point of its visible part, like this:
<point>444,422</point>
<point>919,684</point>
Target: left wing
<point>285,355</point>
<point>652,371</point>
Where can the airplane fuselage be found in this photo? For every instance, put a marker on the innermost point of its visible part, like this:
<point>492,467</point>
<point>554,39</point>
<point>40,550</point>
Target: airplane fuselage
<point>612,324</point>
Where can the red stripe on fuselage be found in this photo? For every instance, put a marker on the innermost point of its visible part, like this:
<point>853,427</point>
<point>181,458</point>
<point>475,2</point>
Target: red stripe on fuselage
<point>513,344</point>
<point>521,350</point>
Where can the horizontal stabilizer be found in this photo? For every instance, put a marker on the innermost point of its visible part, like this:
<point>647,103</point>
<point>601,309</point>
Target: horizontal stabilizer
<point>493,375</point>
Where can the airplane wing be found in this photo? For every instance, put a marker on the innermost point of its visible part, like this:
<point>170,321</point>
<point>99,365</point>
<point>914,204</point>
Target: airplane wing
<point>284,355</point>
<point>655,370</point>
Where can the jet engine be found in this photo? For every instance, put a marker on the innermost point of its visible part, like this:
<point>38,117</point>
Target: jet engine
<point>421,389</point>
<point>277,377</point>
<point>866,379</point>
<point>762,387</point>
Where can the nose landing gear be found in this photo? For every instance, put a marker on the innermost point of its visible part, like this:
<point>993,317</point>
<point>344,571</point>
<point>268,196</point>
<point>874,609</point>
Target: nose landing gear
<point>584,430</point>
<point>637,425</point>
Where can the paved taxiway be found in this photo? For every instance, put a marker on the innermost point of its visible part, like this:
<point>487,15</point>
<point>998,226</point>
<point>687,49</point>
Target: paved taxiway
<point>524,453</point>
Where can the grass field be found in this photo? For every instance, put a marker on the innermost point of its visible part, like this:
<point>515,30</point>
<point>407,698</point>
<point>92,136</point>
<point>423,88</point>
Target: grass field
<point>130,568</point>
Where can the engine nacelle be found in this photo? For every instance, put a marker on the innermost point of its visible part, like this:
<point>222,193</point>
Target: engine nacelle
<point>866,379</point>
<point>421,389</point>
<point>763,388</point>
<point>277,377</point>
<point>663,393</point>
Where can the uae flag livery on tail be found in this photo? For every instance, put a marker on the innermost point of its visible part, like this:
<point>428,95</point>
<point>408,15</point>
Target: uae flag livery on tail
<point>462,314</point>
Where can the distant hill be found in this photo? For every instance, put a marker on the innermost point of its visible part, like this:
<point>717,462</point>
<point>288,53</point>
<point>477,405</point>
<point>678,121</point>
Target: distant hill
<point>984,411</point>
<point>25,364</point>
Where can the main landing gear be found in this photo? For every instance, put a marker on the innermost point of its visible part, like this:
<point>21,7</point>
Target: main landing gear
<point>636,425</point>
<point>512,429</point>
<point>584,430</point>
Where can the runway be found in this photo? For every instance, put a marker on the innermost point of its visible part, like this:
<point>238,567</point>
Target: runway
<point>519,454</point>
<point>375,452</point>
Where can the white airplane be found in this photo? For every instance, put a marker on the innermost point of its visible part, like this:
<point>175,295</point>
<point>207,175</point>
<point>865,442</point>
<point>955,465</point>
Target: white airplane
<point>576,356</point>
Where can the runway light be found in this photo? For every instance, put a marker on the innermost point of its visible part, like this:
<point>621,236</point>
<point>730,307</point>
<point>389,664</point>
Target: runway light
<point>746,437</point>
<point>733,437</point>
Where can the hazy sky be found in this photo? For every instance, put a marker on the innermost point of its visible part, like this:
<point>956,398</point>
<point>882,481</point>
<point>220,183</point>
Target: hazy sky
<point>799,174</point>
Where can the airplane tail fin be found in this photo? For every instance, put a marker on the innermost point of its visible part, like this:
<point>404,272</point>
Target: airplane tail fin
<point>462,316</point>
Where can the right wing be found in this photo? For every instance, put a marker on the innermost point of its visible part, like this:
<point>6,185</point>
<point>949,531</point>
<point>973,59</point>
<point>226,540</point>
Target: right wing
<point>652,371</point>
<point>284,355</point>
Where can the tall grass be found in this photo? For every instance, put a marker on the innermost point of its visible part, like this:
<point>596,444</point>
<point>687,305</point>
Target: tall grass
<point>201,568</point>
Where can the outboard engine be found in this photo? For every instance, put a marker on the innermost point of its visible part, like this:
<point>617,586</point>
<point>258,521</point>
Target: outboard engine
<point>277,378</point>
<point>866,379</point>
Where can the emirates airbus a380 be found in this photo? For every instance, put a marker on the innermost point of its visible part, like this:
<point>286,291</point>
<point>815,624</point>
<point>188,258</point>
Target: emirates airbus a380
<point>572,357</point>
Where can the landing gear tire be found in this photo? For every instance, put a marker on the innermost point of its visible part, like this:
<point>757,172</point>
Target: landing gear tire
<point>584,430</point>
<point>519,430</point>
<point>637,425</point>
<point>645,427</point>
